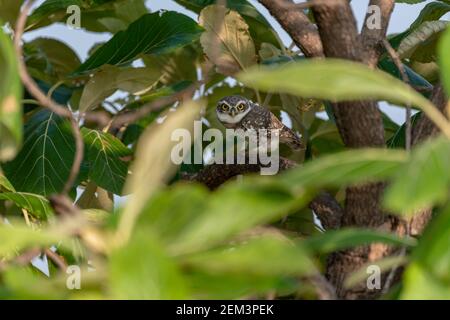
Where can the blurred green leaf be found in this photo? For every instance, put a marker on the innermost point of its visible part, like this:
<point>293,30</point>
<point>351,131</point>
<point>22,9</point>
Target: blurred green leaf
<point>10,11</point>
<point>444,60</point>
<point>247,204</point>
<point>36,205</point>
<point>433,251</point>
<point>418,284</point>
<point>10,106</point>
<point>345,168</point>
<point>339,80</point>
<point>260,256</point>
<point>423,181</point>
<point>170,211</point>
<point>335,240</point>
<point>152,169</point>
<point>13,239</point>
<point>141,270</point>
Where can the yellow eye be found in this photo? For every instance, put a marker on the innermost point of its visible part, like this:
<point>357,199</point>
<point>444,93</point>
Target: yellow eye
<point>241,107</point>
<point>224,107</point>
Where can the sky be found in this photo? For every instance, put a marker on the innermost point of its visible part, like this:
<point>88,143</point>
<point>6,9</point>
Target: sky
<point>81,41</point>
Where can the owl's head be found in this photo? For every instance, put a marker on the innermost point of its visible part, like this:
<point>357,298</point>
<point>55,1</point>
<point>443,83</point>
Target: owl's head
<point>232,109</point>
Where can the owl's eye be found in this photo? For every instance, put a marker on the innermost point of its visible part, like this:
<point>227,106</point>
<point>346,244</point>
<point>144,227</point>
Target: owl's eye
<point>224,107</point>
<point>241,107</point>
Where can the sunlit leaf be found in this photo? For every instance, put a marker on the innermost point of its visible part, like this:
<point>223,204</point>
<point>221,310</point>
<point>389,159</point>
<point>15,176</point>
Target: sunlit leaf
<point>339,80</point>
<point>348,238</point>
<point>259,256</point>
<point>422,181</point>
<point>229,44</point>
<point>346,168</point>
<point>444,60</point>
<point>150,273</point>
<point>10,106</point>
<point>153,165</point>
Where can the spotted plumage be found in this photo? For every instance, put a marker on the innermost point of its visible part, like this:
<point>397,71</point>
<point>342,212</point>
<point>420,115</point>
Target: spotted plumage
<point>236,112</point>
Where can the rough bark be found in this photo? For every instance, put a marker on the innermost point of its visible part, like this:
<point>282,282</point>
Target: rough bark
<point>297,24</point>
<point>360,125</point>
<point>372,37</point>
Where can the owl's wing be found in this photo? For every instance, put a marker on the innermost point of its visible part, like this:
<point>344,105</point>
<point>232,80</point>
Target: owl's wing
<point>287,136</point>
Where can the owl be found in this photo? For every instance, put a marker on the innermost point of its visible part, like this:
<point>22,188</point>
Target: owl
<point>236,112</point>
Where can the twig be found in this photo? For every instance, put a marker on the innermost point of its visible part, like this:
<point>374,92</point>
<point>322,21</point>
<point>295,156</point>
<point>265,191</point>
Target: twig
<point>56,258</point>
<point>308,4</point>
<point>43,99</point>
<point>398,62</point>
<point>324,289</point>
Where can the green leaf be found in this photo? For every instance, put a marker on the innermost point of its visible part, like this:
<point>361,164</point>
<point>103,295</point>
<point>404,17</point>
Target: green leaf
<point>431,12</point>
<point>152,166</point>
<point>5,185</point>
<point>10,106</point>
<point>44,163</point>
<point>260,29</point>
<point>256,257</point>
<point>420,45</point>
<point>106,168</point>
<point>51,58</point>
<point>433,252</point>
<point>409,1</point>
<point>423,181</point>
<point>228,45</point>
<point>249,203</point>
<point>335,240</point>
<point>418,284</point>
<point>173,66</point>
<point>171,211</point>
<point>444,60</point>
<point>36,205</point>
<point>109,79</point>
<point>165,32</point>
<point>97,15</point>
<point>141,270</point>
<point>345,168</point>
<point>10,11</point>
<point>17,238</point>
<point>339,80</point>
<point>416,80</point>
<point>398,139</point>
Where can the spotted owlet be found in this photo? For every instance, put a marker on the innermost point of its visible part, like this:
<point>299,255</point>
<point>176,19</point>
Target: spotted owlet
<point>236,112</point>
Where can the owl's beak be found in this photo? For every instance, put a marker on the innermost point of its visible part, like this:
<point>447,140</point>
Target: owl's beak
<point>233,112</point>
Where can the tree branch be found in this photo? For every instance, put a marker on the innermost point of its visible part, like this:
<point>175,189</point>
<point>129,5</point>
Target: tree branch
<point>297,25</point>
<point>372,38</point>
